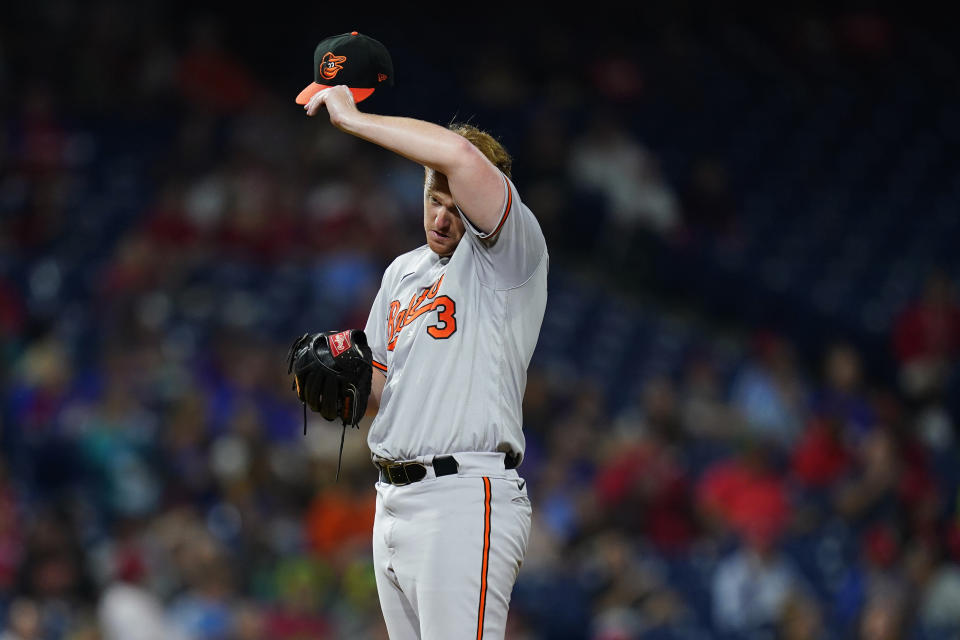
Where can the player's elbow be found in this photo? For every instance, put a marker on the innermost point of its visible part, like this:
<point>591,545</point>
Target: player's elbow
<point>470,166</point>
<point>463,158</point>
<point>472,155</point>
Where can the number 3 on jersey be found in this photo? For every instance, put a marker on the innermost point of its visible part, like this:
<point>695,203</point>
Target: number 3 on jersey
<point>446,322</point>
<point>427,301</point>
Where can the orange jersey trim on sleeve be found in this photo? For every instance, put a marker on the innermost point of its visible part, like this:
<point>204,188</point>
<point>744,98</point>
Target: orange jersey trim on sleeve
<point>506,212</point>
<point>380,366</point>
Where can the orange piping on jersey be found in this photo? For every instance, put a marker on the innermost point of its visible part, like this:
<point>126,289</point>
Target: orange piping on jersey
<point>382,367</point>
<point>486,556</point>
<point>505,213</point>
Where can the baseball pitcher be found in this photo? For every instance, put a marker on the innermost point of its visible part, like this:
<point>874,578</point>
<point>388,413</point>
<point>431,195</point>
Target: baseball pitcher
<point>449,338</point>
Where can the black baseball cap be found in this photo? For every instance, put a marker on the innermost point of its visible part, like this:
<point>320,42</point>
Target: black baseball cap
<point>353,59</point>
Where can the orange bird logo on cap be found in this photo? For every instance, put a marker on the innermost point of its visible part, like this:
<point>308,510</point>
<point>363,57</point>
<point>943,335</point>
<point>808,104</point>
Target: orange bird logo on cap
<point>330,65</point>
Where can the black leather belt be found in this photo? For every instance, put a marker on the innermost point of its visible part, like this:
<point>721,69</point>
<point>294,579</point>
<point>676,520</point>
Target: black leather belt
<point>402,473</point>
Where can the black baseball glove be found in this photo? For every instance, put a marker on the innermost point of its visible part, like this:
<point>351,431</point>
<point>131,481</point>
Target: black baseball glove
<point>332,373</point>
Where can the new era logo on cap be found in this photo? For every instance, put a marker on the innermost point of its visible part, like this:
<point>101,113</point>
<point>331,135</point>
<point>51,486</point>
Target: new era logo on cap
<point>352,59</point>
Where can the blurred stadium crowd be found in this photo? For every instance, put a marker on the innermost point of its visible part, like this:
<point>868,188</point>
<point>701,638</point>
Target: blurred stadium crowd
<point>742,413</point>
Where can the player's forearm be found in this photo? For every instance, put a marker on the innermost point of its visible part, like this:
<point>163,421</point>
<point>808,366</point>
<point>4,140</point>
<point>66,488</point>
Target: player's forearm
<point>475,183</point>
<point>422,142</point>
<point>377,381</point>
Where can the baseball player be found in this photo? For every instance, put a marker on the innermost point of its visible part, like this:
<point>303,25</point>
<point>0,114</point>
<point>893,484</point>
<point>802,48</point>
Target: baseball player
<point>450,333</point>
<point>445,353</point>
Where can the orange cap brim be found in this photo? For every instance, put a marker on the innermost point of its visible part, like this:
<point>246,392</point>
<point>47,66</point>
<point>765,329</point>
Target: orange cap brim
<point>358,94</point>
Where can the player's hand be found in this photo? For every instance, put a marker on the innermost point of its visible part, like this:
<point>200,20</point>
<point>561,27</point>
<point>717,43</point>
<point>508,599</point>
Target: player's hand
<point>337,99</point>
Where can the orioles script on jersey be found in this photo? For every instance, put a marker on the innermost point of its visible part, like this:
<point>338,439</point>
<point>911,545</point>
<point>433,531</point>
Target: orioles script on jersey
<point>427,301</point>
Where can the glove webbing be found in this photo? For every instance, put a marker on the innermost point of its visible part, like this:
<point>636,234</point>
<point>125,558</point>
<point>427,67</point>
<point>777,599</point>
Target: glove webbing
<point>343,431</point>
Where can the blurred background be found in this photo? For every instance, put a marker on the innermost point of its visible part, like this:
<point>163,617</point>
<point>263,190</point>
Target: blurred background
<point>741,416</point>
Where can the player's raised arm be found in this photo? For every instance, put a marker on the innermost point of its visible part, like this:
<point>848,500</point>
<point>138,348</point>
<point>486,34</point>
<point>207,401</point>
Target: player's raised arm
<point>475,183</point>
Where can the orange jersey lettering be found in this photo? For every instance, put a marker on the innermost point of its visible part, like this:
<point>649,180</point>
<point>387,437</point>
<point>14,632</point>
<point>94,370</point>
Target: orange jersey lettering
<point>426,302</point>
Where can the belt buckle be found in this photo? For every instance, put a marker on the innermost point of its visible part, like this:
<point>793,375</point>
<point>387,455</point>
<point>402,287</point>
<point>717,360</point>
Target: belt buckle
<point>395,465</point>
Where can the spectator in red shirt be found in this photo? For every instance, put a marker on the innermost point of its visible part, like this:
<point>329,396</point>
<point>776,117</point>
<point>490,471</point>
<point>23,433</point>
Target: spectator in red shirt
<point>820,458</point>
<point>746,496</point>
<point>643,485</point>
<point>926,338</point>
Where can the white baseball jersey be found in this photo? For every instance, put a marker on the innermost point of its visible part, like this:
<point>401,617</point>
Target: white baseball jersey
<point>454,337</point>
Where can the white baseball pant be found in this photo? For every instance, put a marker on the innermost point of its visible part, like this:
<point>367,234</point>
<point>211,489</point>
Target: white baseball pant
<point>447,550</point>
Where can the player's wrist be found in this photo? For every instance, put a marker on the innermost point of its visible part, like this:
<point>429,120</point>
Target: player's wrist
<point>350,120</point>
<point>341,118</point>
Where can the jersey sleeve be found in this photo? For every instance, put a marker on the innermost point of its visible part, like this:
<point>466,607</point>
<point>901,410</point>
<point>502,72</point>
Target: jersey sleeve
<point>376,331</point>
<point>510,253</point>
